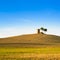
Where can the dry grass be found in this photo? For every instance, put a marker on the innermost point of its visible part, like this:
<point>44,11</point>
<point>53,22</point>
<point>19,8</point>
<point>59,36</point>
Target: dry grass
<point>33,38</point>
<point>31,56</point>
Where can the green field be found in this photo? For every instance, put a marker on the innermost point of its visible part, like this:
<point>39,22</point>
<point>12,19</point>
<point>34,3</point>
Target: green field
<point>16,53</point>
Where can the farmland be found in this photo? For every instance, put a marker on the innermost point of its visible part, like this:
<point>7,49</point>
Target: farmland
<point>30,47</point>
<point>16,53</point>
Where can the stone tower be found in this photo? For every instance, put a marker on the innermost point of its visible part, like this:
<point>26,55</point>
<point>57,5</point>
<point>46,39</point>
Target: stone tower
<point>38,31</point>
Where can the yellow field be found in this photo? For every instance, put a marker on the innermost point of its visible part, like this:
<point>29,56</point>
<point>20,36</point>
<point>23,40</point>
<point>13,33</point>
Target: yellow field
<point>12,53</point>
<point>30,47</point>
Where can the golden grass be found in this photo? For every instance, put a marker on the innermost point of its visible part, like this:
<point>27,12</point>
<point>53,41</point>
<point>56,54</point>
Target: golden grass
<point>29,53</point>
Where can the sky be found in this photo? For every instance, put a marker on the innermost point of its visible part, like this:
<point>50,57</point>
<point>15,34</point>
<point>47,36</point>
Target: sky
<point>18,17</point>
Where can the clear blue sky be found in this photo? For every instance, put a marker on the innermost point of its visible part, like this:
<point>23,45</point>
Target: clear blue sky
<point>25,16</point>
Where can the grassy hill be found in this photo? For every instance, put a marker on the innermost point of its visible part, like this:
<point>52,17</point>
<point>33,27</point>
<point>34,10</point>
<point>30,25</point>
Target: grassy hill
<point>40,47</point>
<point>31,39</point>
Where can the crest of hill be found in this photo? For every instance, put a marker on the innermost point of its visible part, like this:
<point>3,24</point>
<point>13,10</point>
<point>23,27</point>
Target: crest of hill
<point>32,38</point>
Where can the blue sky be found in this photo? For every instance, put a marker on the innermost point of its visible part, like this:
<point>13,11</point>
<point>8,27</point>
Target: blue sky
<point>25,16</point>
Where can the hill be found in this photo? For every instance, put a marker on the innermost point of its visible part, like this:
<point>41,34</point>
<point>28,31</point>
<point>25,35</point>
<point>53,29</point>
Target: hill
<point>31,39</point>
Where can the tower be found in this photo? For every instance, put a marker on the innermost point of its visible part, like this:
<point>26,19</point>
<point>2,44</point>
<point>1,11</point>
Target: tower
<point>38,31</point>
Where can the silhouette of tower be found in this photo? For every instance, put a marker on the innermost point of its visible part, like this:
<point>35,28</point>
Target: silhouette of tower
<point>38,31</point>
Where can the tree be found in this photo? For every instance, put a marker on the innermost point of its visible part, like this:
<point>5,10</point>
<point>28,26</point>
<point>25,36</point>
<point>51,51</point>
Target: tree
<point>43,30</point>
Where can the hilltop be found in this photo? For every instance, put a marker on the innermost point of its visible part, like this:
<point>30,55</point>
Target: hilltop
<point>32,39</point>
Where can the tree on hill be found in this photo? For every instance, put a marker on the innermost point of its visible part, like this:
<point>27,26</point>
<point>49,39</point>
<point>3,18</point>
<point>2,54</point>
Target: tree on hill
<point>43,30</point>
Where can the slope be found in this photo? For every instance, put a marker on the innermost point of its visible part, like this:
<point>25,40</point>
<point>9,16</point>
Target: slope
<point>32,38</point>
